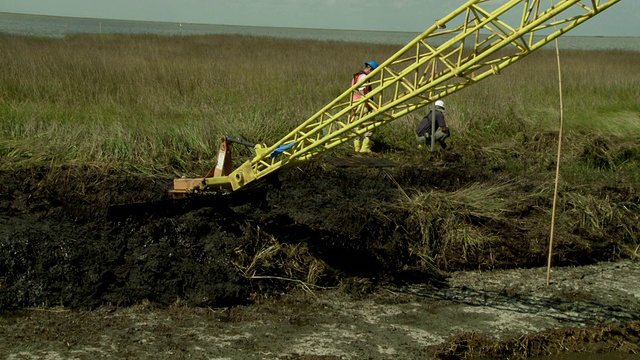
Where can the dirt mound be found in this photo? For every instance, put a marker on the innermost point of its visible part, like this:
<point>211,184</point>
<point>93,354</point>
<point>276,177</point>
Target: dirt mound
<point>316,225</point>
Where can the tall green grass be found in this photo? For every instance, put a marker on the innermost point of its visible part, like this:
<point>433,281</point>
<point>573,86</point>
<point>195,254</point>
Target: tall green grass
<point>162,103</point>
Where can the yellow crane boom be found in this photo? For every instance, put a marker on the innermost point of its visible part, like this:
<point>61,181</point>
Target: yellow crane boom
<point>475,41</point>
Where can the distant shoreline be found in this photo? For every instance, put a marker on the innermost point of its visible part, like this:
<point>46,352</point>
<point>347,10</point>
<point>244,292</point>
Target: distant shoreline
<point>60,26</point>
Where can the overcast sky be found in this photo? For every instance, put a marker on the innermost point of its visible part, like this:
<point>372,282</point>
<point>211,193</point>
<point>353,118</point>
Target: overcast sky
<point>623,19</point>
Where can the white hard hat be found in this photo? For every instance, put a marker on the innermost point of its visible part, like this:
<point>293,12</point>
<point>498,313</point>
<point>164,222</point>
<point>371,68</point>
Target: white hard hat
<point>440,104</point>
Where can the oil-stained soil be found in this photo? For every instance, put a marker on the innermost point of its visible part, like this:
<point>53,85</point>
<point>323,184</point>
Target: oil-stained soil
<point>314,264</point>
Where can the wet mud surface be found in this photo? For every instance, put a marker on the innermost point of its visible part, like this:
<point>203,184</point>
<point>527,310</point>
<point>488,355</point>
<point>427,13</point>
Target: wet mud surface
<point>314,264</point>
<point>506,314</point>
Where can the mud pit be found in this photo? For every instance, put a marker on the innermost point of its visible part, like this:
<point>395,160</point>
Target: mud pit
<point>340,280</point>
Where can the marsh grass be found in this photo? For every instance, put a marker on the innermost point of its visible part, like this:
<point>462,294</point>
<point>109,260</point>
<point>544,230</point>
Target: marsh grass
<point>162,103</point>
<point>454,220</point>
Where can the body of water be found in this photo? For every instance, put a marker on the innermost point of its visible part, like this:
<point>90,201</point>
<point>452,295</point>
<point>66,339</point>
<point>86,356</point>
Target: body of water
<point>54,26</point>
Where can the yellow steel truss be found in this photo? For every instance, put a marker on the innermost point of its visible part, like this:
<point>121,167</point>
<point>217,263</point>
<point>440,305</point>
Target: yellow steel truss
<point>475,41</point>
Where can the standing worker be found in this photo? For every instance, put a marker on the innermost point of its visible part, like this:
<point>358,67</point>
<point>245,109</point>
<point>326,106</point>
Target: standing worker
<point>423,131</point>
<point>363,146</point>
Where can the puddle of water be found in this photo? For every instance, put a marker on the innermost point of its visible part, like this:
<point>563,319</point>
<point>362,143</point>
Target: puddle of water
<point>579,356</point>
<point>582,356</point>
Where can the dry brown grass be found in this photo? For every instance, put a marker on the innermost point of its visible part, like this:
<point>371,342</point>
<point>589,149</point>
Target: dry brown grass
<point>265,259</point>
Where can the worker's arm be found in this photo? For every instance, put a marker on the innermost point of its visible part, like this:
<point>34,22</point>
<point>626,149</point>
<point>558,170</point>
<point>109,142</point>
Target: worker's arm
<point>443,124</point>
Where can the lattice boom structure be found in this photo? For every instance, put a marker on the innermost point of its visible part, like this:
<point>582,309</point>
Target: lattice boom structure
<point>475,41</point>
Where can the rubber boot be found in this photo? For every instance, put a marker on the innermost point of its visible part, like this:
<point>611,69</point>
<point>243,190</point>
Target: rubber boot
<point>366,145</point>
<point>357,145</point>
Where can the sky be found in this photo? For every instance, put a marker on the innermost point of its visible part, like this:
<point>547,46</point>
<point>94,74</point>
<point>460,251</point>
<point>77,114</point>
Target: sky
<point>623,19</point>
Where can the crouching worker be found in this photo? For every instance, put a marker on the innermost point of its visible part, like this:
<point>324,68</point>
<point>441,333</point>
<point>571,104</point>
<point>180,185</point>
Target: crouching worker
<point>423,131</point>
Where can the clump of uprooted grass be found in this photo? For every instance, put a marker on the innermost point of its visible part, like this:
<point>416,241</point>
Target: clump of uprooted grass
<point>465,227</point>
<point>453,220</point>
<point>273,264</point>
<point>603,219</point>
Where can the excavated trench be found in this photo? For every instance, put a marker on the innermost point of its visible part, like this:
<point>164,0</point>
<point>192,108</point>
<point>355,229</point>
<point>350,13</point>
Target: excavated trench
<point>61,244</point>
